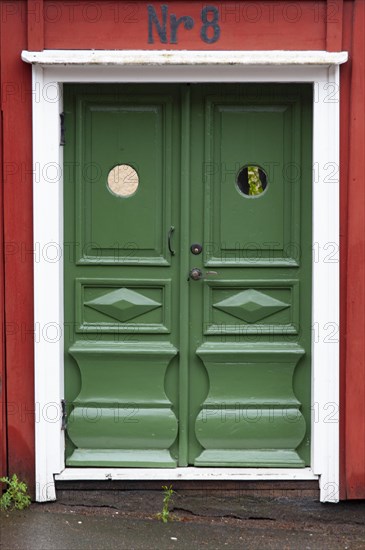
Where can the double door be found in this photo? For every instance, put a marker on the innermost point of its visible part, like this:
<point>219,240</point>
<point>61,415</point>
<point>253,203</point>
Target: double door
<point>187,275</point>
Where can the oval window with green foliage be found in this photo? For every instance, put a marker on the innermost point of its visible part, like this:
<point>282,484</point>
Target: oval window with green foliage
<point>251,180</point>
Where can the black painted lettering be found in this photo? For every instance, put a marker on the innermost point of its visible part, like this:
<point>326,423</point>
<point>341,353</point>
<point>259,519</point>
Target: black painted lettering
<point>157,25</point>
<point>210,23</point>
<point>154,21</point>
<point>187,21</point>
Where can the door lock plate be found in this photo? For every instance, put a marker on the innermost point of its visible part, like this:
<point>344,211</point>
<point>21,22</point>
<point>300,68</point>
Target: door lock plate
<point>196,249</point>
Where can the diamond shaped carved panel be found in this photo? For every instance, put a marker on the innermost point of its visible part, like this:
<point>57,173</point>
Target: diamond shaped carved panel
<point>123,304</point>
<point>250,305</point>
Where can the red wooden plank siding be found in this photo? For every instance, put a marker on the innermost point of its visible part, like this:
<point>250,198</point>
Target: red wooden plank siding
<point>355,350</point>
<point>345,72</point>
<point>3,450</point>
<point>17,161</point>
<point>260,25</point>
<point>35,20</point>
<point>2,327</point>
<point>334,25</point>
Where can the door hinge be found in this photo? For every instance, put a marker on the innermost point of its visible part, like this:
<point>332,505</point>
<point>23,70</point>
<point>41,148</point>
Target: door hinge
<point>62,138</point>
<point>64,414</point>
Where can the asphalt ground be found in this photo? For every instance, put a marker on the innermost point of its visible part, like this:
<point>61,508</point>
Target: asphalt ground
<point>127,520</point>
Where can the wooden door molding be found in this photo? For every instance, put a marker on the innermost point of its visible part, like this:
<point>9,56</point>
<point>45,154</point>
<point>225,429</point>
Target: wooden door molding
<point>318,68</point>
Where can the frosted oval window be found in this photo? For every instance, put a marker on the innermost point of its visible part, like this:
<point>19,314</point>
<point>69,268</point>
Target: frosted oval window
<point>123,180</point>
<point>251,180</point>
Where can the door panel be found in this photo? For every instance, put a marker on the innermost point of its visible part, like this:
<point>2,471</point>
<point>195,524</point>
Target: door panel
<point>126,130</point>
<point>264,132</point>
<point>250,314</point>
<point>236,391</point>
<point>122,416</point>
<point>118,283</point>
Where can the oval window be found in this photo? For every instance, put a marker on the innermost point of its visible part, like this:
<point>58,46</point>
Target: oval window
<point>123,180</point>
<point>251,180</point>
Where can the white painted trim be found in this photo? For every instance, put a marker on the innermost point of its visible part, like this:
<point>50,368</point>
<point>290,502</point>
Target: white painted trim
<point>48,283</point>
<point>185,474</point>
<point>48,220</point>
<point>182,73</point>
<point>183,57</point>
<point>326,285</point>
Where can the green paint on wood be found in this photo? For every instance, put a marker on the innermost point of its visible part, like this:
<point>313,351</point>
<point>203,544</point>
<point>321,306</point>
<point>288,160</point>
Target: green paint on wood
<point>250,305</point>
<point>251,405</point>
<point>123,304</point>
<point>162,371</point>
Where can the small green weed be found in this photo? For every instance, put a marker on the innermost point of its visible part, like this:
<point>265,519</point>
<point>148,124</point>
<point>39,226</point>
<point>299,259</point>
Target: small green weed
<point>16,495</point>
<point>165,516</point>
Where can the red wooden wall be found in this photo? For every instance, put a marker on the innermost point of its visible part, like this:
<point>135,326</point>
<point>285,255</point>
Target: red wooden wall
<point>3,446</point>
<point>17,195</point>
<point>303,25</point>
<point>353,426</point>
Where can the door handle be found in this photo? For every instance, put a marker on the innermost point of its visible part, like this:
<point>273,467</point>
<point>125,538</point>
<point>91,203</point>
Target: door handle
<point>169,238</point>
<point>197,274</point>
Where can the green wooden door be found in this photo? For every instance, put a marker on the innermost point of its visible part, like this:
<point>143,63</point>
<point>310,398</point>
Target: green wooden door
<point>177,354</point>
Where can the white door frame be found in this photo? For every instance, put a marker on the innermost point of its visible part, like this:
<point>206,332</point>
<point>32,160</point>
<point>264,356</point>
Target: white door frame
<point>52,68</point>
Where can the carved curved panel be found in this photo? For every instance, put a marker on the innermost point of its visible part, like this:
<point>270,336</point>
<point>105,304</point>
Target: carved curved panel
<point>250,416</point>
<point>119,417</point>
